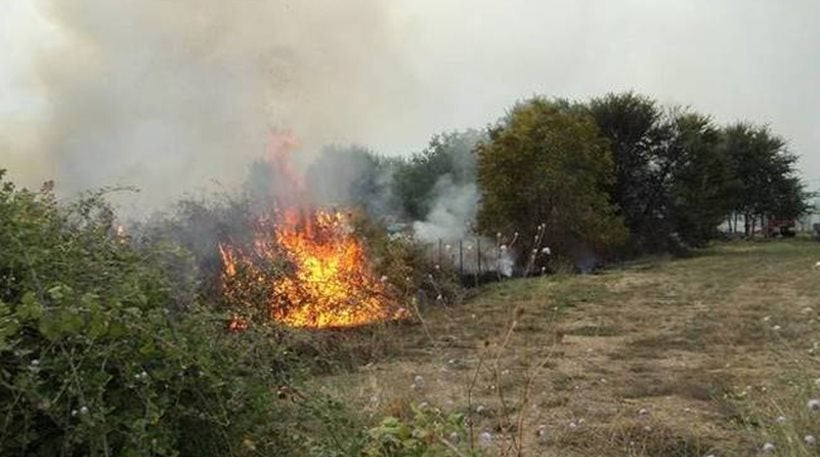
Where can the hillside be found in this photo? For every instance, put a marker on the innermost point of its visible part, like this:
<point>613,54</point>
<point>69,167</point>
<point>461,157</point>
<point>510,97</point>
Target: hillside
<point>661,357</point>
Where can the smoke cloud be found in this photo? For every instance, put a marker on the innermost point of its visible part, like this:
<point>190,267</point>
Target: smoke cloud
<point>169,96</point>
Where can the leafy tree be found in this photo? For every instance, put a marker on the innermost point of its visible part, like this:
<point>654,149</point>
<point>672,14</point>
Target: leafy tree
<point>765,169</point>
<point>448,154</point>
<point>545,163</point>
<point>637,132</point>
<point>701,183</point>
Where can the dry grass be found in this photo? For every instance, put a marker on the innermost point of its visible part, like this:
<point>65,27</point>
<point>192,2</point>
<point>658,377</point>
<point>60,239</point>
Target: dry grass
<point>659,358</point>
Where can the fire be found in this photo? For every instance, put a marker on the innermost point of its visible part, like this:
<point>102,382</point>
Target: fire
<point>309,268</point>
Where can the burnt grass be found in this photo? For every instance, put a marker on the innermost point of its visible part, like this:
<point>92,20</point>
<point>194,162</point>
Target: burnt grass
<point>657,358</point>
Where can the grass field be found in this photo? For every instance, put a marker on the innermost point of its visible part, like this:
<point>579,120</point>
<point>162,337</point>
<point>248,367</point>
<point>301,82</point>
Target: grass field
<point>713,354</point>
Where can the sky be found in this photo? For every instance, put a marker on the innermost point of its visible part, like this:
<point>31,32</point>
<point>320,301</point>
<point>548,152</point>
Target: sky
<point>174,96</point>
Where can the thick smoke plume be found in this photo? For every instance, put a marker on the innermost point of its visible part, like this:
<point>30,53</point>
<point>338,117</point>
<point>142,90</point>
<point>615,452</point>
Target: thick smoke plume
<point>169,96</point>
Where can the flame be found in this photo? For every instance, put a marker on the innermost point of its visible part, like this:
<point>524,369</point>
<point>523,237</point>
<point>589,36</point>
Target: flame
<point>331,283</point>
<point>308,266</point>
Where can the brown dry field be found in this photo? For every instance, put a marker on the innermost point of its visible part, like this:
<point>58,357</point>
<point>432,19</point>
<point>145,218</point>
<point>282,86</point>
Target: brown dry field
<point>661,357</point>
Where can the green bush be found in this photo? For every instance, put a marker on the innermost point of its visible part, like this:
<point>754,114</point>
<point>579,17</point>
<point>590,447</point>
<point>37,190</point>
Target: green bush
<point>95,361</point>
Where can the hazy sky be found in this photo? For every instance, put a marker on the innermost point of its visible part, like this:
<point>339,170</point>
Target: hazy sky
<point>139,92</point>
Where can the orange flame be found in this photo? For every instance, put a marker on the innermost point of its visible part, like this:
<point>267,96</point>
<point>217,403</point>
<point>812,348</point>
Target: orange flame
<point>330,282</point>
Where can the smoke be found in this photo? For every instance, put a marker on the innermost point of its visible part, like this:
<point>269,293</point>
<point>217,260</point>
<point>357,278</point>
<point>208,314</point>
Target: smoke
<point>452,212</point>
<point>170,96</point>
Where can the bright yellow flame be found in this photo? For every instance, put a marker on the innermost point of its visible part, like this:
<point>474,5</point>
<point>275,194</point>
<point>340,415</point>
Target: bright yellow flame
<point>332,284</point>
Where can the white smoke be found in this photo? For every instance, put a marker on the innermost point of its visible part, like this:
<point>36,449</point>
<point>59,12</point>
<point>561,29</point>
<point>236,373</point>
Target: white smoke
<point>171,95</point>
<point>452,214</point>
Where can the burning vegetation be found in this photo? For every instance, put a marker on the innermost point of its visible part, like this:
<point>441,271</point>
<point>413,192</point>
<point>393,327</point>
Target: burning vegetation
<point>305,267</point>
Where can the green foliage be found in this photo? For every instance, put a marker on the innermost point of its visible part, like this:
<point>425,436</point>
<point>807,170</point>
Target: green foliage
<point>448,155</point>
<point>635,129</point>
<point>546,164</point>
<point>765,169</point>
<point>95,361</point>
<point>429,433</point>
<point>701,183</point>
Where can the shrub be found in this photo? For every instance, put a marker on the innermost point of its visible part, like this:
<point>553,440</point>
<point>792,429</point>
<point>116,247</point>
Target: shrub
<point>93,361</point>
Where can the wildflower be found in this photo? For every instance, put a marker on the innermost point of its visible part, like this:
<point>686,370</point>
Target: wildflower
<point>503,247</point>
<point>768,447</point>
<point>439,297</point>
<point>384,278</point>
<point>817,265</point>
<point>546,251</point>
<point>73,412</point>
<point>810,440</point>
<point>573,425</point>
<point>813,404</point>
<point>479,409</point>
<point>776,328</point>
<point>486,438</point>
<point>643,412</point>
<point>767,318</point>
<point>35,362</point>
<point>418,382</point>
<point>423,405</point>
<point>84,410</point>
<point>454,438</point>
<point>780,419</point>
<point>438,267</point>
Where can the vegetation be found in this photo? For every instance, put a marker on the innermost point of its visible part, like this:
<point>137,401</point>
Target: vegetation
<point>712,354</point>
<point>544,173</point>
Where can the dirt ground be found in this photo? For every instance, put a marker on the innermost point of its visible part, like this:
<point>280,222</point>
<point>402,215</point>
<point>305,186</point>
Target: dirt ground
<point>661,357</point>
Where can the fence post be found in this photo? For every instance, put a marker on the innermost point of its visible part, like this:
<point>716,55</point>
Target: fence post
<point>460,258</point>
<point>439,252</point>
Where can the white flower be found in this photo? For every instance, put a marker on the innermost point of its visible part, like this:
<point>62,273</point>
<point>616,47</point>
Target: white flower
<point>780,419</point>
<point>73,412</point>
<point>35,363</point>
<point>643,412</point>
<point>486,438</point>
<point>384,278</point>
<point>810,440</point>
<point>573,425</point>
<point>503,247</point>
<point>546,251</point>
<point>418,382</point>
<point>84,410</point>
<point>479,409</point>
<point>768,447</point>
<point>439,297</point>
<point>767,318</point>
<point>776,328</point>
<point>454,438</point>
<point>813,404</point>
<point>817,265</point>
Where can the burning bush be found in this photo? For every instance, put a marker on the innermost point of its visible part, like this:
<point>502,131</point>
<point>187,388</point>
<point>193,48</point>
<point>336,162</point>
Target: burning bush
<point>309,270</point>
<point>94,362</point>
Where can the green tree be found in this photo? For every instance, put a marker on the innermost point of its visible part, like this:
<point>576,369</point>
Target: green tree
<point>448,154</point>
<point>637,131</point>
<point>700,186</point>
<point>545,163</point>
<point>768,183</point>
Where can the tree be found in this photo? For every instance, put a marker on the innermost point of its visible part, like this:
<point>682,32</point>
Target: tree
<point>700,182</point>
<point>448,155</point>
<point>637,133</point>
<point>545,163</point>
<point>765,168</point>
